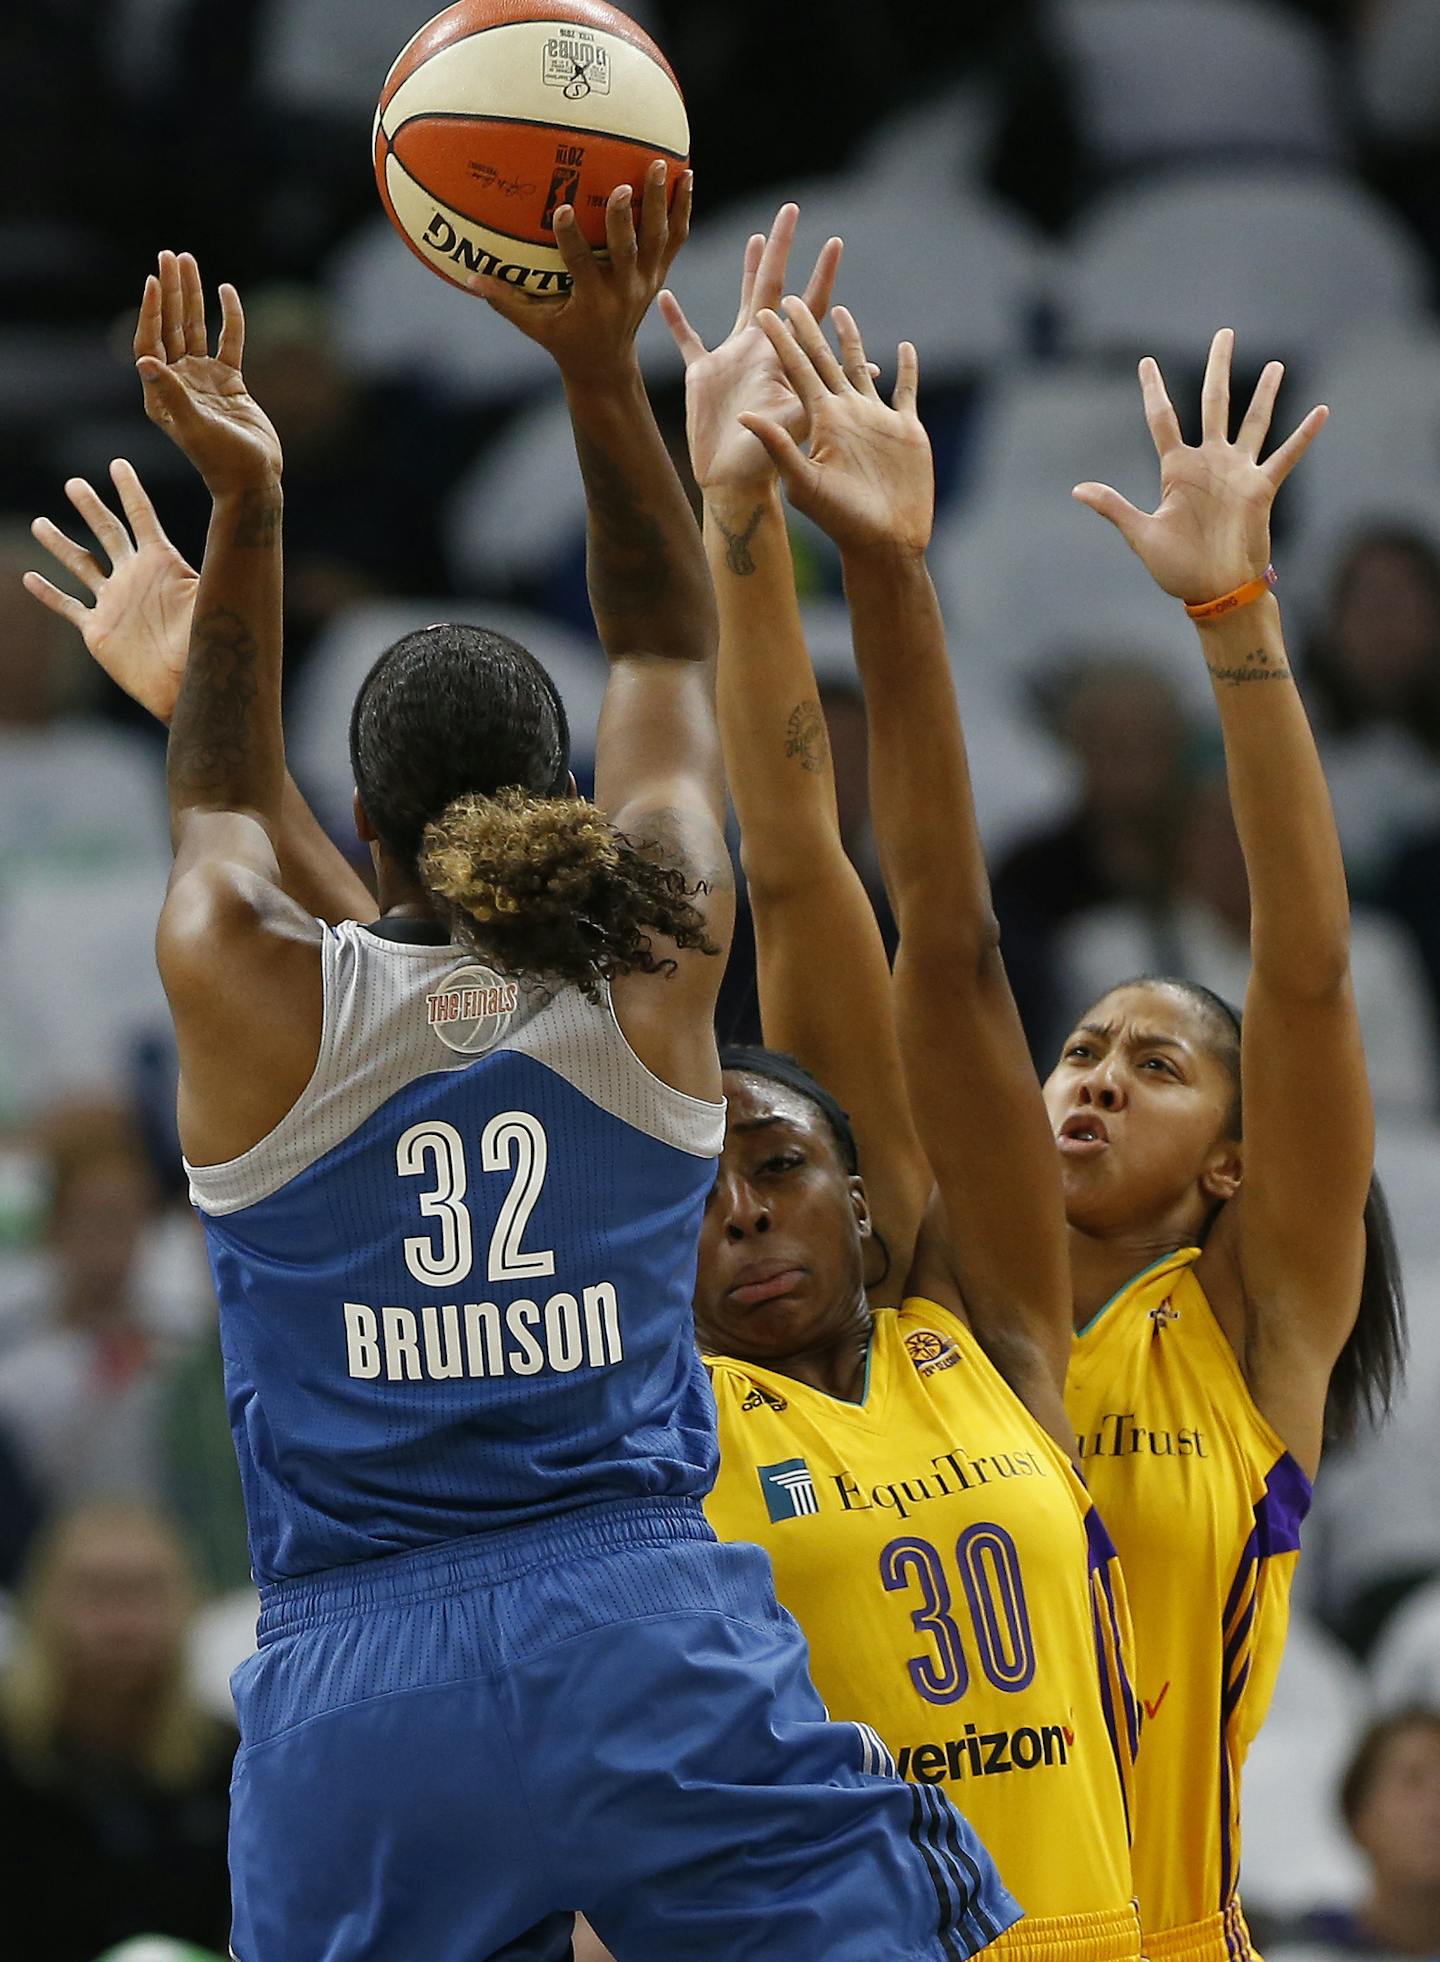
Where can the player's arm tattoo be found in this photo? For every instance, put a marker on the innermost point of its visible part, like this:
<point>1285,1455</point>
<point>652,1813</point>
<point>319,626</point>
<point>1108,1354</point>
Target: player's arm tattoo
<point>806,740</point>
<point>257,526</point>
<point>210,733</point>
<point>629,566</point>
<point>1257,666</point>
<point>739,559</point>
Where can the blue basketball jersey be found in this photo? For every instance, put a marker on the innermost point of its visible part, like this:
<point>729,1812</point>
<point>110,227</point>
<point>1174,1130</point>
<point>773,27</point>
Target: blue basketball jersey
<point>455,1281</point>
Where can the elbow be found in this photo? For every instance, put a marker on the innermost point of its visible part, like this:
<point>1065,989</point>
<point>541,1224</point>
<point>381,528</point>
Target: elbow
<point>1311,970</point>
<point>966,939</point>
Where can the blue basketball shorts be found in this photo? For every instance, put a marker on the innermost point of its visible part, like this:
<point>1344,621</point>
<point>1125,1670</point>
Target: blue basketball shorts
<point>445,1754</point>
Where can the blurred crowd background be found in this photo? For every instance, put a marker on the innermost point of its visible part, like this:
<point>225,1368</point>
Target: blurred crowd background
<point>1035,191</point>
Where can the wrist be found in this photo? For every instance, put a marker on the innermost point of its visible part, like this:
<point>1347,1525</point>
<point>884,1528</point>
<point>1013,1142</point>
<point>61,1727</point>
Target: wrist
<point>731,499</point>
<point>593,381</point>
<point>1247,644</point>
<point>888,558</point>
<point>263,489</point>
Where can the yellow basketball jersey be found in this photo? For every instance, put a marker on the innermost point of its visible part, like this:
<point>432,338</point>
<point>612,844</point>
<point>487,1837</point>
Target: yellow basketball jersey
<point>1204,1503</point>
<point>960,1596</point>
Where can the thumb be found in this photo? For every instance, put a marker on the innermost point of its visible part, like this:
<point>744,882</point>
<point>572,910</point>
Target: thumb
<point>681,332</point>
<point>780,446</point>
<point>1110,504</point>
<point>166,397</point>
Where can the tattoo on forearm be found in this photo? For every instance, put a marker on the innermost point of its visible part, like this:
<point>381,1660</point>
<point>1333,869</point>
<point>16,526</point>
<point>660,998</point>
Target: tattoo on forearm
<point>1257,666</point>
<point>629,563</point>
<point>806,741</point>
<point>210,734</point>
<point>258,525</point>
<point>739,559</point>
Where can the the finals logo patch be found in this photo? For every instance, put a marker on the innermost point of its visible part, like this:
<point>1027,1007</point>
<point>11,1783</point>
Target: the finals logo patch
<point>471,1009</point>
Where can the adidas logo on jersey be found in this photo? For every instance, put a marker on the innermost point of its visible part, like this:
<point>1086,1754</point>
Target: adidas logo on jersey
<point>758,1399</point>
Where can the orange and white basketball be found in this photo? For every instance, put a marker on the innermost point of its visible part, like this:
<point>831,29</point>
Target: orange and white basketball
<point>499,110</point>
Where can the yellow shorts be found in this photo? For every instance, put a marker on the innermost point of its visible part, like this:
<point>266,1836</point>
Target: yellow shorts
<point>1219,1937</point>
<point>1110,1935</point>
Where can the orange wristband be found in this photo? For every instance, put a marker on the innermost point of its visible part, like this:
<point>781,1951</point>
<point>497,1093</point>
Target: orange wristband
<point>1245,595</point>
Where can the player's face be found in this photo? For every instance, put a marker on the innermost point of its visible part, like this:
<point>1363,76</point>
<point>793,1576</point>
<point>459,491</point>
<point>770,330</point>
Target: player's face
<point>1139,1103</point>
<point>781,1249</point>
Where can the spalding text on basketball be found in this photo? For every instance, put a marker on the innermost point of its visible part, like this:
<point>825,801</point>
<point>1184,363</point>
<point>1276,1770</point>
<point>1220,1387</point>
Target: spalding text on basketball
<point>469,253</point>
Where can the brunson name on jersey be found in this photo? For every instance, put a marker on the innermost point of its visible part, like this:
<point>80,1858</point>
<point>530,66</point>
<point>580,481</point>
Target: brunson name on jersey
<point>479,1338</point>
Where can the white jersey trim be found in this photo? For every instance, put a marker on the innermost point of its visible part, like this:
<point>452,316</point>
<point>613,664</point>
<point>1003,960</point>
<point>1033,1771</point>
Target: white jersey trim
<point>380,1032</point>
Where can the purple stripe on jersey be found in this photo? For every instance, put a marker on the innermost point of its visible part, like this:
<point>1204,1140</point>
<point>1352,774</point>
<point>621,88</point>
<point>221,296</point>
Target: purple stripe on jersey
<point>1107,1706</point>
<point>1227,1868</point>
<point>1279,1513</point>
<point>1127,1694</point>
<point>1101,1546</point>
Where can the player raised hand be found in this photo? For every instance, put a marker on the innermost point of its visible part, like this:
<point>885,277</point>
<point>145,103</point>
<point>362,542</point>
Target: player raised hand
<point>1210,531</point>
<point>138,628</point>
<point>593,326</point>
<point>743,372</point>
<point>199,399</point>
<point>868,478</point>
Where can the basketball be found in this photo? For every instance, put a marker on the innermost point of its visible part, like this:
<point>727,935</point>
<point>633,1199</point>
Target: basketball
<point>498,111</point>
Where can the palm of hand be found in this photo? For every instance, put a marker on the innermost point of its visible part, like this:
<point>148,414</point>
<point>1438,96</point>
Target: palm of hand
<point>139,628</point>
<point>1211,530</point>
<point>871,479</point>
<point>231,422</point>
<point>742,374</point>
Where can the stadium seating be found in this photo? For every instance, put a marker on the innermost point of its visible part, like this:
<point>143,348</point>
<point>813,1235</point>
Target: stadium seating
<point>1139,105</point>
<point>1293,260</point>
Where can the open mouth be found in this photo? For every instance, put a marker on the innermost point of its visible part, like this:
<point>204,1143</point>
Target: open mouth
<point>1083,1135</point>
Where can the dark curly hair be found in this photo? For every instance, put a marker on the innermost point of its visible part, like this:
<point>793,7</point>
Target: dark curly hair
<point>547,885</point>
<point>461,753</point>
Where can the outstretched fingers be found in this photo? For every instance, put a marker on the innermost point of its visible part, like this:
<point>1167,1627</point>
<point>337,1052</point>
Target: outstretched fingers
<point>172,308</point>
<point>1256,425</point>
<point>907,380</point>
<point>750,266</point>
<point>115,541</point>
<point>1279,466</point>
<point>681,332</point>
<point>79,563</point>
<point>1215,389</point>
<point>821,284</point>
<point>231,349</point>
<point>799,368</point>
<point>853,358</point>
<point>806,329</point>
<point>135,501</point>
<point>148,338</point>
<point>192,306</point>
<point>770,274</point>
<point>1160,417</point>
<point>65,604</point>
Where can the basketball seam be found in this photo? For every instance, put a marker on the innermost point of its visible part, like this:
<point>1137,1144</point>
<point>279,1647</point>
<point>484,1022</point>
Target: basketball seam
<point>531,122</point>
